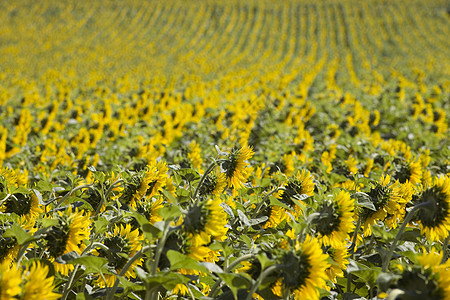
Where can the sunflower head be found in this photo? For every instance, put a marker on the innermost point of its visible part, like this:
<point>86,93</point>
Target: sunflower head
<point>389,201</point>
<point>301,184</point>
<point>411,172</point>
<point>22,205</point>
<point>57,237</point>
<point>302,271</point>
<point>206,219</point>
<point>122,244</point>
<point>334,221</point>
<point>67,235</point>
<point>234,166</point>
<point>9,280</point>
<point>8,246</point>
<point>38,285</point>
<point>434,218</point>
<point>214,183</point>
<point>427,280</point>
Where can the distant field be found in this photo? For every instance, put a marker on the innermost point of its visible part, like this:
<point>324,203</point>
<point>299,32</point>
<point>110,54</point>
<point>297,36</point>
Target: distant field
<point>218,149</point>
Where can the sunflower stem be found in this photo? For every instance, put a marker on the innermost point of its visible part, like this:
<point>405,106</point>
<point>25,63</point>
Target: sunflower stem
<point>407,219</point>
<point>106,195</point>
<point>68,286</point>
<point>160,247</point>
<point>210,168</point>
<point>260,279</point>
<point>86,186</point>
<point>351,251</point>
<point>260,204</point>
<point>124,270</point>
<point>237,261</point>
<point>444,249</point>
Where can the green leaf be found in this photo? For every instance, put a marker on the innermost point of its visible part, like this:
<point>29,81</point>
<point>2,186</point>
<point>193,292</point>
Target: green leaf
<point>258,220</point>
<point>275,201</point>
<point>44,186</point>
<point>169,212</point>
<point>168,280</point>
<point>264,261</point>
<point>243,218</point>
<point>101,225</point>
<point>364,200</point>
<point>66,258</point>
<point>169,196</point>
<point>188,174</point>
<point>19,233</point>
<point>212,267</point>
<point>39,196</point>
<point>181,261</point>
<point>20,190</point>
<point>93,264</point>
<point>248,241</point>
<point>235,282</point>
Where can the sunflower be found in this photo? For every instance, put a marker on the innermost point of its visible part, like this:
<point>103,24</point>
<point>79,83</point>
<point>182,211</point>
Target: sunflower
<point>214,184</point>
<point>180,289</point>
<point>411,172</point>
<point>351,165</point>
<point>195,156</point>
<point>38,285</point>
<point>276,214</point>
<point>8,246</point>
<point>122,243</point>
<point>234,166</point>
<point>185,243</point>
<point>13,177</point>
<point>9,281</point>
<point>26,206</point>
<point>303,271</point>
<point>328,157</point>
<point>68,235</point>
<point>301,184</point>
<point>285,166</point>
<point>205,220</point>
<point>389,201</point>
<point>334,222</point>
<point>339,256</point>
<point>147,183</point>
<point>434,218</point>
<point>428,280</point>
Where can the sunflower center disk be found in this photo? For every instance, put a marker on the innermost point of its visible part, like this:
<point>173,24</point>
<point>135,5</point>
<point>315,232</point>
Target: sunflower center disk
<point>434,214</point>
<point>328,220</point>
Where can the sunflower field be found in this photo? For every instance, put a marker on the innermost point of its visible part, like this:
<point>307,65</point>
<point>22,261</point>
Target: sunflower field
<point>257,149</point>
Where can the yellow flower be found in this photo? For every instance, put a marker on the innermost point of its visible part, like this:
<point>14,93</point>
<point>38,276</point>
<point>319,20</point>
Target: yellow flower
<point>154,177</point>
<point>214,184</point>
<point>9,281</point>
<point>339,256</point>
<point>388,199</point>
<point>195,156</point>
<point>411,171</point>
<point>303,271</point>
<point>301,184</point>
<point>26,206</point>
<point>38,285</point>
<point>428,280</point>
<point>351,164</point>
<point>434,218</point>
<point>68,235</point>
<point>205,220</point>
<point>124,243</point>
<point>180,289</point>
<point>234,166</point>
<point>335,220</point>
